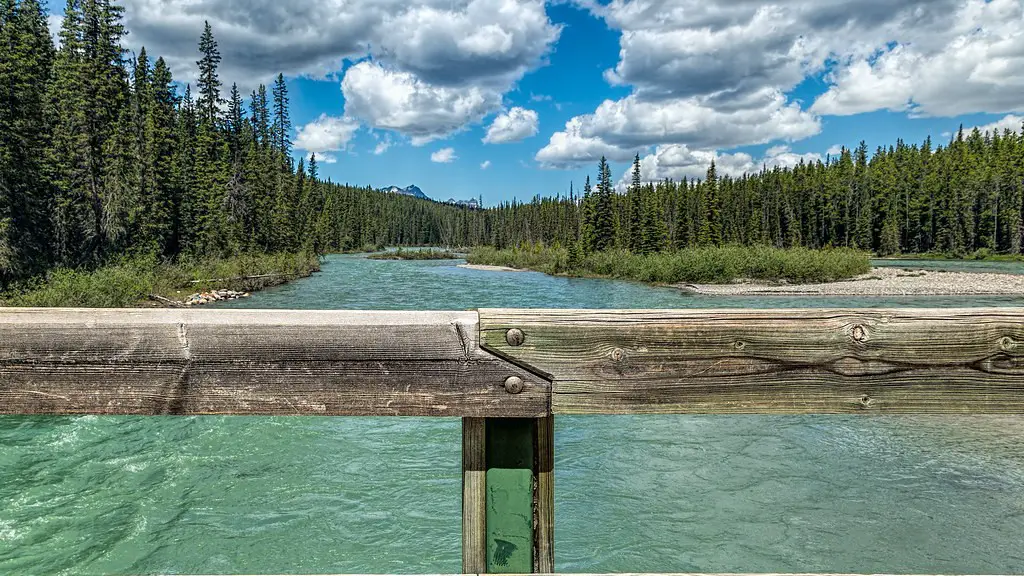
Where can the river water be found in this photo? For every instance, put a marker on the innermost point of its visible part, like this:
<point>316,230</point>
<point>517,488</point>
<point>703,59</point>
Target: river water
<point>220,495</point>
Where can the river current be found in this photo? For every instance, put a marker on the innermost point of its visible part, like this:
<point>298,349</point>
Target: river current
<point>223,495</point>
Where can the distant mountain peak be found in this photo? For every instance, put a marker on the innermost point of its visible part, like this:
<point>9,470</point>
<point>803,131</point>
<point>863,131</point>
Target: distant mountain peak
<point>472,203</point>
<point>411,190</point>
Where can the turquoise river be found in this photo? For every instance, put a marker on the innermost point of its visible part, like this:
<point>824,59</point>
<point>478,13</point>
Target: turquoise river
<point>220,495</point>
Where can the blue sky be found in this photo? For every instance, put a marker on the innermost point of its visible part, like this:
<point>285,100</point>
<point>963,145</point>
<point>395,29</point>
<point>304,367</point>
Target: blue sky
<point>513,98</point>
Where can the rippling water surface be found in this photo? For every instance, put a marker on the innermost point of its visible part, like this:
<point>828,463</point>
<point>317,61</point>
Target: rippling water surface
<point>222,495</point>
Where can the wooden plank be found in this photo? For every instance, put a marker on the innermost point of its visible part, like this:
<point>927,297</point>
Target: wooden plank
<point>474,495</point>
<point>770,361</point>
<point>544,500</point>
<point>510,495</point>
<point>193,362</point>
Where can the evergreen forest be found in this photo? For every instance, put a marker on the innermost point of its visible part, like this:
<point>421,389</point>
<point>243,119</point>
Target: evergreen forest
<point>103,155</point>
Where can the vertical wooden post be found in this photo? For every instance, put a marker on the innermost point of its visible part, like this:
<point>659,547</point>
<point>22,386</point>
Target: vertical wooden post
<point>474,495</point>
<point>544,498</point>
<point>508,495</point>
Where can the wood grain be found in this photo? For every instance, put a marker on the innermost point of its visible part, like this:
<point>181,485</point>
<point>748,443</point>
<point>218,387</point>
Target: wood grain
<point>544,497</point>
<point>770,361</point>
<point>474,495</point>
<point>193,362</point>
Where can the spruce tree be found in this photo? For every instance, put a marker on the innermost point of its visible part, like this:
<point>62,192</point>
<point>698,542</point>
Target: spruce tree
<point>208,82</point>
<point>604,217</point>
<point>25,71</point>
<point>861,205</point>
<point>161,147</point>
<point>587,219</point>
<point>655,231</point>
<point>235,120</point>
<point>635,202</point>
<point>68,154</point>
<point>282,128</point>
<point>187,203</point>
<point>710,210</point>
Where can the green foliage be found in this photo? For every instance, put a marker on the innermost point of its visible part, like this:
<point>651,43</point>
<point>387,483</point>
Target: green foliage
<point>604,209</point>
<point>100,159</point>
<point>710,265</point>
<point>428,254</point>
<point>132,280</point>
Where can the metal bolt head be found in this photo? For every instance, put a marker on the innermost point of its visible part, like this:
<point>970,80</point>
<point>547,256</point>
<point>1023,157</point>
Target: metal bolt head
<point>514,385</point>
<point>515,337</point>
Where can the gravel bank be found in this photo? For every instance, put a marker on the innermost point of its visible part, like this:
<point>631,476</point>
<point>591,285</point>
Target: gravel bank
<point>881,282</point>
<point>487,268</point>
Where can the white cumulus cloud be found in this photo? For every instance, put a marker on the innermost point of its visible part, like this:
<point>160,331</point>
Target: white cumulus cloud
<point>620,128</point>
<point>485,165</point>
<point>400,101</point>
<point>326,134</point>
<point>433,49</point>
<point>677,161</point>
<point>512,126</point>
<point>974,63</point>
<point>715,74</point>
<point>1010,122</point>
<point>444,156</point>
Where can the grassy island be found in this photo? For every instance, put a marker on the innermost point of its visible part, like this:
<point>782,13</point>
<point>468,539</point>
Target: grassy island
<point>143,280</point>
<point>427,254</point>
<point>712,265</point>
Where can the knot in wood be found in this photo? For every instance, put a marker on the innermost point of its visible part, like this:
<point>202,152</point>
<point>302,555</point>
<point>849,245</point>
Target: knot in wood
<point>618,355</point>
<point>514,385</point>
<point>515,337</point>
<point>859,334</point>
<point>740,345</point>
<point>866,401</point>
<point>1006,343</point>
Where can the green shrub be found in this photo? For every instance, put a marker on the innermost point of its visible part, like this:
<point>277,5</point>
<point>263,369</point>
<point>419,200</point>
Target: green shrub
<point>712,265</point>
<point>128,282</point>
<point>428,254</point>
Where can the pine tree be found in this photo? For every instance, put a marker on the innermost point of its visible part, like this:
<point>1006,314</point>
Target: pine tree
<point>710,210</point>
<point>9,267</point>
<point>260,114</point>
<point>208,82</point>
<point>25,72</point>
<point>587,219</point>
<point>604,217</point>
<point>282,128</point>
<point>862,213</point>
<point>635,202</point>
<point>187,204</point>
<point>655,231</point>
<point>68,155</point>
<point>161,146</point>
<point>235,120</point>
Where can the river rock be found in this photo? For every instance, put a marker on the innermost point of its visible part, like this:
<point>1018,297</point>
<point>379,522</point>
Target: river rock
<point>201,298</point>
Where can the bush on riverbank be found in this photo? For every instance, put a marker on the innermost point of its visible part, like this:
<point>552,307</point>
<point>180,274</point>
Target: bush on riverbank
<point>428,254</point>
<point>130,282</point>
<point>715,265</point>
<point>982,254</point>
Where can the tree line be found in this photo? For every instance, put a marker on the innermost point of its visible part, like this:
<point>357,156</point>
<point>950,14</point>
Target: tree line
<point>103,154</point>
<point>954,199</point>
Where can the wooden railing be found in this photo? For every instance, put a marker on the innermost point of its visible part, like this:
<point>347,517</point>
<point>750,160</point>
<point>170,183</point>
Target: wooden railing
<point>506,373</point>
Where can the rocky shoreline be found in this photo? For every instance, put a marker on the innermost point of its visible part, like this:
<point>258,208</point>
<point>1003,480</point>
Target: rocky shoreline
<point>488,268</point>
<point>880,282</point>
<point>201,298</point>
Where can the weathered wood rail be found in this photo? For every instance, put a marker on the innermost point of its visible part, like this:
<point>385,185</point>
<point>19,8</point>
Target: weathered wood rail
<point>507,373</point>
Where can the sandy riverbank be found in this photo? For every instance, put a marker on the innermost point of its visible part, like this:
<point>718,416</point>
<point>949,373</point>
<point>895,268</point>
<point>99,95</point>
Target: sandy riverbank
<point>487,268</point>
<point>881,282</point>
